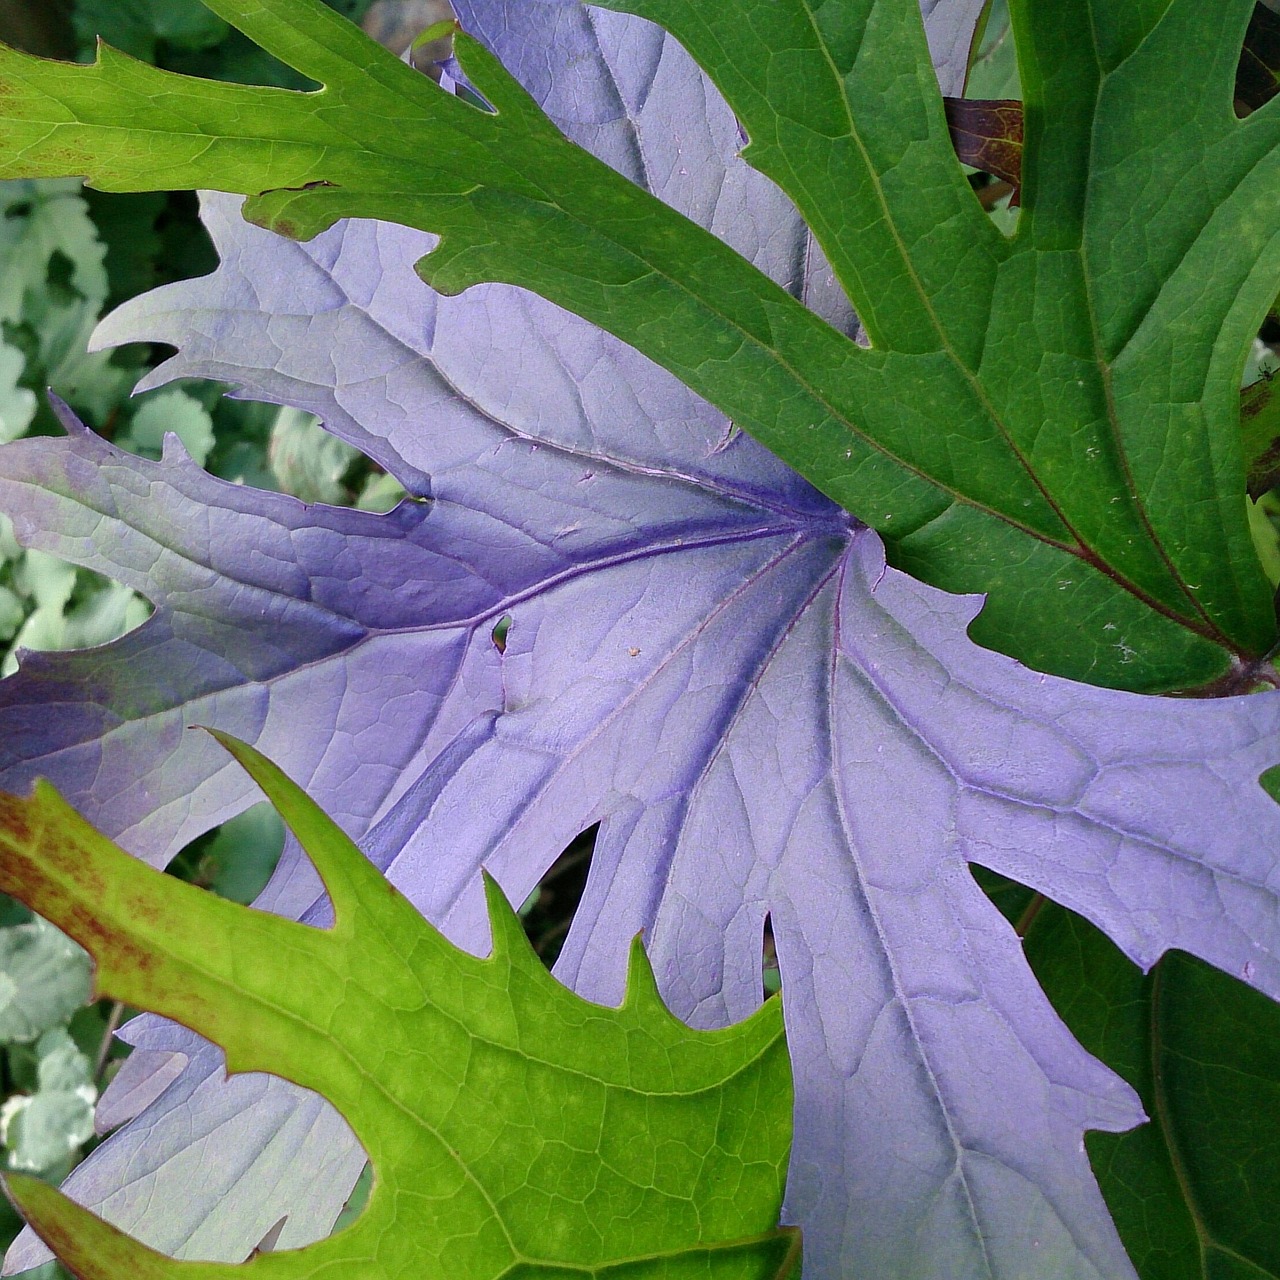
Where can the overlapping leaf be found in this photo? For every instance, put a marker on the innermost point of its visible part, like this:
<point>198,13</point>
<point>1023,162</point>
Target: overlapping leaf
<point>514,1129</point>
<point>735,685</point>
<point>1086,492</point>
<point>704,655</point>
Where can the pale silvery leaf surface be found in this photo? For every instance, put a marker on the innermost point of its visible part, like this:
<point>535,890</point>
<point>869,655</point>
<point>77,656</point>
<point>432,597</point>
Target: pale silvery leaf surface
<point>704,656</point>
<point>949,25</point>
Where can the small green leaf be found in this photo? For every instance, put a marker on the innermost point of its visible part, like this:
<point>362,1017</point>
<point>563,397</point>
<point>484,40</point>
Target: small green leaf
<point>17,403</point>
<point>53,284</point>
<point>1263,522</point>
<point>514,1129</point>
<point>44,979</point>
<point>39,220</point>
<point>436,31</point>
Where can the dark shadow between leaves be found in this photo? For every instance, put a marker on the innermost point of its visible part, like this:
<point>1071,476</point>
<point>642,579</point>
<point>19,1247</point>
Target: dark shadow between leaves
<point>548,911</point>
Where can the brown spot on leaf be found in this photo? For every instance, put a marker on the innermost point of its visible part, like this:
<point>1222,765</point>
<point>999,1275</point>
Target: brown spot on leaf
<point>13,819</point>
<point>106,943</point>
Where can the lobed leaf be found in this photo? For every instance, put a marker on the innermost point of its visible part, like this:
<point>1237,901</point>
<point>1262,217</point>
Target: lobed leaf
<point>1044,483</point>
<point>750,747</point>
<point>514,1130</point>
<point>703,654</point>
<point>44,1129</point>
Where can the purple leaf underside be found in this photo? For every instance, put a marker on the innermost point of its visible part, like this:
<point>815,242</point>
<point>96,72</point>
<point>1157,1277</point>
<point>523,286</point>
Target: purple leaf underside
<point>704,656</point>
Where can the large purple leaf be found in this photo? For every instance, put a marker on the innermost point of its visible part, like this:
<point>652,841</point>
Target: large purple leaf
<point>704,656</point>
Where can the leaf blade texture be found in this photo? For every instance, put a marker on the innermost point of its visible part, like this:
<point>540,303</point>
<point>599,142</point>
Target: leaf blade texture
<point>788,700</point>
<point>477,759</point>
<point>579,1153</point>
<point>845,113</point>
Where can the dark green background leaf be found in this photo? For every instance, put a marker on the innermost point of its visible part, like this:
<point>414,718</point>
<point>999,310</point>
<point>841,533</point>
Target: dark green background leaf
<point>1196,1192</point>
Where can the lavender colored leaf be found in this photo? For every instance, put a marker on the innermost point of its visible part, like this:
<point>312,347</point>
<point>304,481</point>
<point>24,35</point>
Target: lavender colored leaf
<point>704,656</point>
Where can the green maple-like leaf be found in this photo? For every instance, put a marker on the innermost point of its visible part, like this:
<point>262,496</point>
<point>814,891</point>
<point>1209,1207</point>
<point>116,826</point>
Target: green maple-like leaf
<point>1049,418</point>
<point>514,1130</point>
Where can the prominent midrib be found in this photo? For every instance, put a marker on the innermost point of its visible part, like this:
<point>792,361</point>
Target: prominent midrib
<point>1095,336</point>
<point>763,293</point>
<point>905,1001</point>
<point>1196,621</point>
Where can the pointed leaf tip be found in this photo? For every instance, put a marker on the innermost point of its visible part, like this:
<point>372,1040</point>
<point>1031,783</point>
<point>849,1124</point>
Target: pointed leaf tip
<point>510,943</point>
<point>348,876</point>
<point>436,31</point>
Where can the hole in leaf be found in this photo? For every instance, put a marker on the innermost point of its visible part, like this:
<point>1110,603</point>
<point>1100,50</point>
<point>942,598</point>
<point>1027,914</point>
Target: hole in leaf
<point>60,276</point>
<point>50,606</point>
<point>770,975</point>
<point>234,860</point>
<point>272,1238</point>
<point>548,911</point>
<point>500,631</point>
<point>356,1201</point>
<point>313,464</point>
<point>1016,902</point>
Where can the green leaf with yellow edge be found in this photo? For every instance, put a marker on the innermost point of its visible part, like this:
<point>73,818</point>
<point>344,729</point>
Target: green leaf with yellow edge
<point>514,1130</point>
